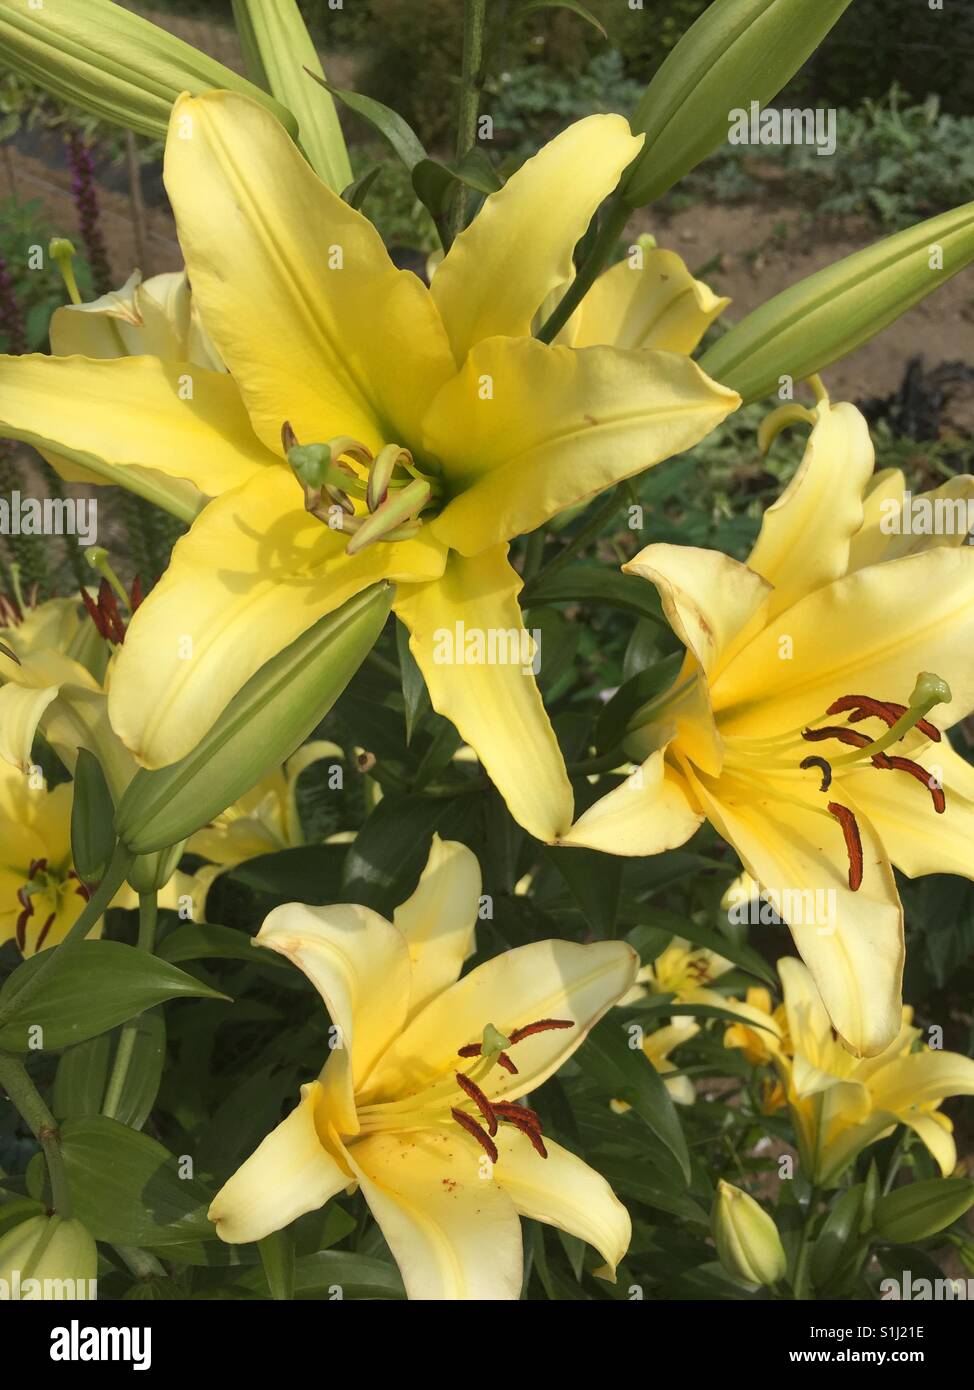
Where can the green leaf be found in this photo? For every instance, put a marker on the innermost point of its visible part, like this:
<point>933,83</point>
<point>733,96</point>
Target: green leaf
<point>103,984</point>
<point>278,1263</point>
<point>415,696</point>
<point>624,1073</point>
<point>574,5</point>
<point>144,1075</point>
<point>92,819</point>
<point>205,942</point>
<point>390,850</point>
<point>336,1274</point>
<point>387,122</point>
<point>81,1077</point>
<point>127,1188</point>
<point>358,190</point>
<point>587,583</point>
<point>594,880</point>
<point>922,1209</point>
<point>644,686</point>
<point>306,873</point>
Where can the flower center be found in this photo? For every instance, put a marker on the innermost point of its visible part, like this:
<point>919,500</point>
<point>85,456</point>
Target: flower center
<point>40,897</point>
<point>369,497</point>
<point>748,757</point>
<point>471,1109</point>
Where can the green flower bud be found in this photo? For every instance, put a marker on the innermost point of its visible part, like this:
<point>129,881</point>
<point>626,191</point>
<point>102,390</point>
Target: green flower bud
<point>279,56</point>
<point>47,1257</point>
<point>151,872</point>
<point>107,60</point>
<point>747,1240</point>
<point>737,52</point>
<point>922,1209</point>
<point>262,726</point>
<point>831,313</point>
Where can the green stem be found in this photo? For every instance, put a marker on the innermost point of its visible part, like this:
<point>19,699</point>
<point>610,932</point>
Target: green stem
<point>94,908</point>
<point>471,82</point>
<point>589,532</point>
<point>28,1102</point>
<point>801,1260</point>
<point>128,1036</point>
<point>139,1262</point>
<point>614,220</point>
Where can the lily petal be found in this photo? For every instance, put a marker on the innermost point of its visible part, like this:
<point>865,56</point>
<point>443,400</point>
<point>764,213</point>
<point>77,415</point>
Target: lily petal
<point>871,632</point>
<point>498,271</point>
<point>492,698</point>
<point>288,1174</point>
<point>649,812</point>
<point>918,840</point>
<point>655,304</point>
<point>440,919</point>
<point>546,979</point>
<point>21,710</point>
<point>171,417</point>
<point>937,1139</point>
<point>854,948</point>
<point>295,287</point>
<point>805,536</point>
<point>921,1078</point>
<point>453,1232</point>
<point>359,964</point>
<point>563,1191</point>
<point>254,572</point>
<point>526,430</point>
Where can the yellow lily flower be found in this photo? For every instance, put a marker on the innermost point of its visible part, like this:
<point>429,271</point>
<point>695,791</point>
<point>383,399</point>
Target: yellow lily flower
<point>801,672</point>
<point>649,299</point>
<point>756,1042</point>
<point>683,970</point>
<point>447,426</point>
<point>839,1103</point>
<point>41,896</point>
<point>417,1103</point>
<point>657,1046</point>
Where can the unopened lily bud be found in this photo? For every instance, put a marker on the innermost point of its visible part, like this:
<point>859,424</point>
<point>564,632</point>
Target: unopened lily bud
<point>48,1257</point>
<point>747,1240</point>
<point>261,727</point>
<point>151,872</point>
<point>828,315</point>
<point>737,52</point>
<point>107,60</point>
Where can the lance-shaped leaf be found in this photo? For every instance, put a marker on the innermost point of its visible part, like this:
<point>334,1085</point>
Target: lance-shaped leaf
<point>279,56</point>
<point>107,60</point>
<point>737,52</point>
<point>831,313</point>
<point>262,726</point>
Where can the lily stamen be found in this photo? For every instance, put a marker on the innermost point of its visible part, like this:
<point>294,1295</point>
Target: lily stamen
<point>468,1123</point>
<point>479,1099</point>
<point>853,842</point>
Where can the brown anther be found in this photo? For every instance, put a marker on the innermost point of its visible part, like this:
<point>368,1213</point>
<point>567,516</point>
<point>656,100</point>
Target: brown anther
<point>839,732</point>
<point>469,1050</point>
<point>23,897</point>
<point>543,1025</point>
<point>135,593</point>
<point>866,707</point>
<point>823,766</point>
<point>108,604</point>
<point>505,1061</point>
<point>95,614</point>
<point>532,1134</point>
<point>479,1099</point>
<point>37,866</point>
<point>922,775</point>
<point>853,842</point>
<point>523,1112</point>
<point>289,439</point>
<point>468,1123</point>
